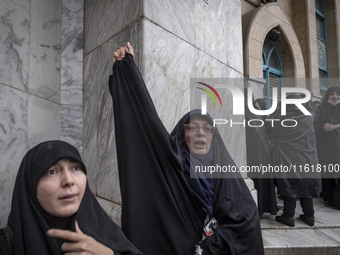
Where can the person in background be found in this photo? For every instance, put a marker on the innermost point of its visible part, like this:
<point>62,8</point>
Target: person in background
<point>327,129</point>
<point>294,145</point>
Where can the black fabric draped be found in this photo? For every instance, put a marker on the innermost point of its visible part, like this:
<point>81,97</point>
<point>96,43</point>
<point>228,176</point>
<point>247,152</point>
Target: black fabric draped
<point>295,146</point>
<point>328,145</point>
<point>160,215</point>
<point>30,222</point>
<point>258,153</point>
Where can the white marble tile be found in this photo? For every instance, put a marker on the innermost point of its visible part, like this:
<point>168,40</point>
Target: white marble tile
<point>71,121</point>
<point>168,64</point>
<point>43,120</point>
<point>91,16</point>
<point>91,118</point>
<point>296,238</point>
<point>107,177</point>
<point>72,52</point>
<point>13,143</point>
<point>114,16</point>
<point>14,43</point>
<point>177,17</point>
<point>218,31</point>
<point>112,209</point>
<point>106,18</point>
<point>44,53</point>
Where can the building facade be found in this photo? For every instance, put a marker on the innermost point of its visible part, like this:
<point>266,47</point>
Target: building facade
<point>57,56</point>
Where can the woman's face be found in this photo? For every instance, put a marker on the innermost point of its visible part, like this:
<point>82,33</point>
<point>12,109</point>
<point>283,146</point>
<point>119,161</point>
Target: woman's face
<point>62,187</point>
<point>334,96</point>
<point>198,135</point>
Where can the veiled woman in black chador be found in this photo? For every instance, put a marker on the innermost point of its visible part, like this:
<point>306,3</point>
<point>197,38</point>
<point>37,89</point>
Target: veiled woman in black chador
<point>163,209</point>
<point>54,211</point>
<point>327,129</point>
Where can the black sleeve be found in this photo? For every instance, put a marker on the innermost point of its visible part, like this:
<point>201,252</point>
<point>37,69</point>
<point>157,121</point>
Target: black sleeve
<point>5,246</point>
<point>155,196</point>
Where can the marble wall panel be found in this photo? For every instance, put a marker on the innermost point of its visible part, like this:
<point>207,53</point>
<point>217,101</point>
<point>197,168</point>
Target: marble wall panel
<point>72,52</point>
<point>234,137</point>
<point>91,19</point>
<point>13,143</point>
<point>71,123</point>
<point>44,52</point>
<point>14,43</point>
<point>167,65</point>
<point>71,96</point>
<point>177,17</point>
<point>218,30</point>
<point>91,118</point>
<point>106,18</point>
<point>107,177</point>
<point>43,120</point>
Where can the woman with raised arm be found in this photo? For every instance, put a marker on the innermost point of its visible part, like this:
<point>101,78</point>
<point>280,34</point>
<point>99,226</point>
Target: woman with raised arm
<point>165,205</point>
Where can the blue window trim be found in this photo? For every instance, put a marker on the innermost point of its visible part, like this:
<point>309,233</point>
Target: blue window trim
<point>322,17</point>
<point>267,69</point>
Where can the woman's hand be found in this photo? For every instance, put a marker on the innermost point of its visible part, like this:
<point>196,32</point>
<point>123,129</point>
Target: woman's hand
<point>120,53</point>
<point>80,243</point>
<point>328,127</point>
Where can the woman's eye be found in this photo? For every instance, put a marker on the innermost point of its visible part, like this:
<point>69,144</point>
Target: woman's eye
<point>51,172</point>
<point>77,168</point>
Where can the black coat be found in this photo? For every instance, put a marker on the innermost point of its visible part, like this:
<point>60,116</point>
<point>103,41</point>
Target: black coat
<point>294,147</point>
<point>160,215</point>
<point>328,144</point>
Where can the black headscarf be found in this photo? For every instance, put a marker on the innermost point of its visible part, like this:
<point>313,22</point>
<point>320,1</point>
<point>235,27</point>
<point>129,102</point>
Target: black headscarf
<point>30,222</point>
<point>201,186</point>
<point>155,193</point>
<point>295,146</point>
<point>328,144</point>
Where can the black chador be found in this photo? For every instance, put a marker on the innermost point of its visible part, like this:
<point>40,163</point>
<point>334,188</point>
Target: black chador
<point>160,213</point>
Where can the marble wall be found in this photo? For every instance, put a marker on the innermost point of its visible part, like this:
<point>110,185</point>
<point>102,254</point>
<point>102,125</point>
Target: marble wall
<point>40,81</point>
<point>174,41</point>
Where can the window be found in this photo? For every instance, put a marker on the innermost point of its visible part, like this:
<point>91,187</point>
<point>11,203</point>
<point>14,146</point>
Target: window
<point>322,45</point>
<point>272,70</point>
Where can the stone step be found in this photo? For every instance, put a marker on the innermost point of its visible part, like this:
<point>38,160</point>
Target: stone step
<point>323,238</point>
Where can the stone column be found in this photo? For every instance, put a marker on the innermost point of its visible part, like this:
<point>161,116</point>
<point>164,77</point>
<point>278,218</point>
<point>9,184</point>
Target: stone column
<point>174,41</point>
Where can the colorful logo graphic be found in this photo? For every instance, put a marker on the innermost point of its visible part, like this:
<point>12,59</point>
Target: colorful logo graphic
<point>209,93</point>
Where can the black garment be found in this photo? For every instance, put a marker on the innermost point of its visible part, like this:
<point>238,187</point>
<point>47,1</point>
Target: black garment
<point>160,215</point>
<point>289,205</point>
<point>258,153</point>
<point>292,147</point>
<point>328,146</point>
<point>6,241</point>
<point>30,222</point>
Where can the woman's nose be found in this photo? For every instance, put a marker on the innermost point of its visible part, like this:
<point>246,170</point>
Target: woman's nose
<point>67,178</point>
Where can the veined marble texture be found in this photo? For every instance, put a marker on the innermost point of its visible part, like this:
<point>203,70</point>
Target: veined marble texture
<point>71,125</point>
<point>14,44</point>
<point>167,66</point>
<point>98,114</point>
<point>45,36</point>
<point>43,120</point>
<point>13,143</point>
<point>178,17</point>
<point>91,118</point>
<point>71,87</point>
<point>218,29</point>
<point>214,28</point>
<point>72,52</point>
<point>106,18</point>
